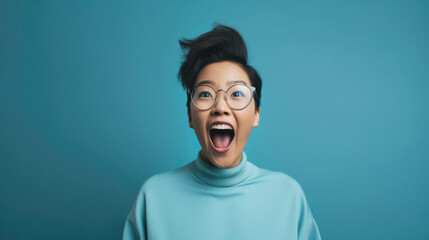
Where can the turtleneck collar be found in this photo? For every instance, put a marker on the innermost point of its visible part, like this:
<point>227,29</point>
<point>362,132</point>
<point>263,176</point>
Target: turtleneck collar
<point>222,177</point>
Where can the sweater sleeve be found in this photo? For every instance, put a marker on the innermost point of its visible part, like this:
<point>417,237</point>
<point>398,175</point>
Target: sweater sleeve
<point>307,229</point>
<point>135,225</point>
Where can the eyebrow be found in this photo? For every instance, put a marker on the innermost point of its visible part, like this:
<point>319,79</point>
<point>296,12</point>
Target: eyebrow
<point>228,83</point>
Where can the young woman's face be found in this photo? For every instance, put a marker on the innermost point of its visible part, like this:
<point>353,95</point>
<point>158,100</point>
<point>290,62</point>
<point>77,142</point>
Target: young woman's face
<point>220,149</point>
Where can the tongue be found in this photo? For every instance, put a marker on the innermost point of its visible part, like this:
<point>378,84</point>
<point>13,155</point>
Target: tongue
<point>221,140</point>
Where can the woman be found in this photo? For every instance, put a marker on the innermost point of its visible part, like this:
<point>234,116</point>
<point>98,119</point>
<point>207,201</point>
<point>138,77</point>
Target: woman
<point>220,195</point>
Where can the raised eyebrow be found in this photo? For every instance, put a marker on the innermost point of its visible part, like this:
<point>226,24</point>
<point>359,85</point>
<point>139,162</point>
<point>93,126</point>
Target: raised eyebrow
<point>205,82</point>
<point>228,83</point>
<point>237,81</point>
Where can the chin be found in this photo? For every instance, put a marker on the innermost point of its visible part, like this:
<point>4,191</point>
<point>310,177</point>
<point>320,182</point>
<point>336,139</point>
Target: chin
<point>226,160</point>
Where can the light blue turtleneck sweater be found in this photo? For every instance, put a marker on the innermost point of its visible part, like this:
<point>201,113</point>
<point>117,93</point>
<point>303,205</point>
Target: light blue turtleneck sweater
<point>200,201</point>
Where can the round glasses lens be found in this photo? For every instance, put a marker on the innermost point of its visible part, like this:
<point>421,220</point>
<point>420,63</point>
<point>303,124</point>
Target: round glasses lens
<point>239,96</point>
<point>203,97</point>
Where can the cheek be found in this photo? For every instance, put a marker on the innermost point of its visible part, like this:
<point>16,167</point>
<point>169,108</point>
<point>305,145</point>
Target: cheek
<point>198,122</point>
<point>245,124</point>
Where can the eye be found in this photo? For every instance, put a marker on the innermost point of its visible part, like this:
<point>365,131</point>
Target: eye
<point>204,94</point>
<point>237,94</point>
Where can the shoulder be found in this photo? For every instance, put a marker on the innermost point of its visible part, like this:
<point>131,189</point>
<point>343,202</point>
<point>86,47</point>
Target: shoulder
<point>167,180</point>
<point>282,187</point>
<point>278,180</point>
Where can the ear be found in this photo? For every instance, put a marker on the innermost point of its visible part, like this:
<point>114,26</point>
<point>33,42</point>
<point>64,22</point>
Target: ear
<point>256,118</point>
<point>190,118</point>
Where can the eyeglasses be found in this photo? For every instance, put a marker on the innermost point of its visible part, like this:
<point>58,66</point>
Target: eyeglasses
<point>237,96</point>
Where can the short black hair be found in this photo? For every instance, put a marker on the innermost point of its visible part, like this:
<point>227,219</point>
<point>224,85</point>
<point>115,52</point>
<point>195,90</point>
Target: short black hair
<point>222,43</point>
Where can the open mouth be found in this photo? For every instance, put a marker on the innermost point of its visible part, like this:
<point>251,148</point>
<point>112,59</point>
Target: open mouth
<point>221,136</point>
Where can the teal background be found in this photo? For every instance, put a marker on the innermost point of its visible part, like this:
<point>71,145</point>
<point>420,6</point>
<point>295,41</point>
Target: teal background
<point>91,107</point>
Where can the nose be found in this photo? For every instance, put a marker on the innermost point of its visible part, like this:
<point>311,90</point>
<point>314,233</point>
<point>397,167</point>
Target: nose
<point>221,106</point>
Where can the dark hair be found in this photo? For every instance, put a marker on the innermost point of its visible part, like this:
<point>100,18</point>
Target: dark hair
<point>223,43</point>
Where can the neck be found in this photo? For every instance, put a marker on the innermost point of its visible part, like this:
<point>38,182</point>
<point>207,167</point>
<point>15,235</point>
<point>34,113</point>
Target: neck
<point>222,177</point>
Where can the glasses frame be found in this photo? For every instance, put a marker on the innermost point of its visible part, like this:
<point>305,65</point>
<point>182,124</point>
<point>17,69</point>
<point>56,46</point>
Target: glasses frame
<point>191,92</point>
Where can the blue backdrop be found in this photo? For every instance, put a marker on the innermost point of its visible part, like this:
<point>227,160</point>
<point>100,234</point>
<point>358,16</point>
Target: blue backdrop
<point>91,107</point>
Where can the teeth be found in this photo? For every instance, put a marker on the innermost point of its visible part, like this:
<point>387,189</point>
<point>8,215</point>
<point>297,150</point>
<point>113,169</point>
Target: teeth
<point>221,126</point>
